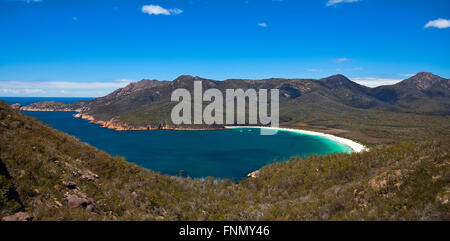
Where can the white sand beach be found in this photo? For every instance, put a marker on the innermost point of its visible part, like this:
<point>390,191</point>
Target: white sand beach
<point>355,146</point>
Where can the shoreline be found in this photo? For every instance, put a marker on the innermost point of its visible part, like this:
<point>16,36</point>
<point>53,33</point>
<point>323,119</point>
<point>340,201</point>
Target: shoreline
<point>114,124</point>
<point>355,146</point>
<point>121,126</point>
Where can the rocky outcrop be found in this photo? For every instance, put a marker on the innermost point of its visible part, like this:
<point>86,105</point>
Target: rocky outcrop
<point>113,123</point>
<point>15,106</point>
<point>69,184</point>
<point>116,124</point>
<point>20,216</point>
<point>74,201</point>
<point>443,199</point>
<point>254,174</point>
<point>89,176</point>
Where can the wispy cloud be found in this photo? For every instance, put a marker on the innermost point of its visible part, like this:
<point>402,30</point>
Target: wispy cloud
<point>438,23</point>
<point>158,10</point>
<point>262,25</point>
<point>374,81</point>
<point>26,1</point>
<point>63,84</point>
<point>341,60</point>
<point>18,91</point>
<point>60,88</point>
<point>334,2</point>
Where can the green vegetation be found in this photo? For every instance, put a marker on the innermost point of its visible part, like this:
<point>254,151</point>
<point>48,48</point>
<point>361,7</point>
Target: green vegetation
<point>57,177</point>
<point>417,107</point>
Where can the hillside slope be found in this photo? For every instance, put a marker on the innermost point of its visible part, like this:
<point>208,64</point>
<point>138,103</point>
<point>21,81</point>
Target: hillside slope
<point>334,105</point>
<point>49,175</point>
<point>423,93</point>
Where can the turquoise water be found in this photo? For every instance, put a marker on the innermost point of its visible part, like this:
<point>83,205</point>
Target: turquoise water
<point>218,153</point>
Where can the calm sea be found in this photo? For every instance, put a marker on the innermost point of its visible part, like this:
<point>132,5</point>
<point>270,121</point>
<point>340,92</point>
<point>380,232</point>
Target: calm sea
<point>220,153</point>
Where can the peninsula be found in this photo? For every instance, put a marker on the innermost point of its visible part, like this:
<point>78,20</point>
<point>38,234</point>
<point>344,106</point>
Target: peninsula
<point>332,105</point>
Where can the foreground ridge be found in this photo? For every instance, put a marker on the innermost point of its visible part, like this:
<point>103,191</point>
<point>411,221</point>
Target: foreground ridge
<point>50,175</point>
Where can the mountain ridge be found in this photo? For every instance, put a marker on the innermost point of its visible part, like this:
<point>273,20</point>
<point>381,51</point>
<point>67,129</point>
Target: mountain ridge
<point>421,81</point>
<point>328,102</point>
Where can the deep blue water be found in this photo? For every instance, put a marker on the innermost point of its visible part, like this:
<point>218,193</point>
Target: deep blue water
<point>219,153</point>
<point>29,100</point>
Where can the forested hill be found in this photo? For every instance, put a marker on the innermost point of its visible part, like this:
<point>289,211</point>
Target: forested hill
<point>336,105</point>
<point>49,175</point>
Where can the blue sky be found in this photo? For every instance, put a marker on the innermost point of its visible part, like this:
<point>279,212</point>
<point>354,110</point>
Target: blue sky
<point>89,48</point>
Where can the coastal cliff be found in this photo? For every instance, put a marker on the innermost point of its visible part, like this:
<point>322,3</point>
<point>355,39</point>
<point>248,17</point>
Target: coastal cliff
<point>113,123</point>
<point>116,124</point>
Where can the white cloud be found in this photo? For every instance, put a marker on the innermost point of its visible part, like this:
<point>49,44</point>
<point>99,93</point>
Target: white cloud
<point>341,60</point>
<point>374,82</point>
<point>175,11</point>
<point>60,88</point>
<point>438,23</point>
<point>334,2</point>
<point>18,91</point>
<point>262,25</point>
<point>407,75</point>
<point>158,10</point>
<point>14,84</point>
<point>12,91</point>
